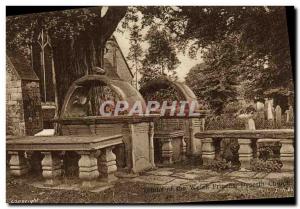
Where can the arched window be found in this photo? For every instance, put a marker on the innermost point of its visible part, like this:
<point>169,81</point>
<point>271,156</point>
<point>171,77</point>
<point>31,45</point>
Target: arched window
<point>46,71</point>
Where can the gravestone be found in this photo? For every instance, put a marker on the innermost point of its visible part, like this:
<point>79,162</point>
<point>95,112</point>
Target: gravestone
<point>278,116</point>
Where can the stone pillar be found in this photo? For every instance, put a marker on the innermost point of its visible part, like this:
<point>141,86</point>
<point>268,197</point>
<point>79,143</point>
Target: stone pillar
<point>17,163</point>
<point>287,154</point>
<point>52,167</point>
<point>245,153</point>
<point>151,143</point>
<point>208,150</point>
<point>88,168</point>
<point>167,151</point>
<point>195,144</point>
<point>183,148</point>
<point>107,165</point>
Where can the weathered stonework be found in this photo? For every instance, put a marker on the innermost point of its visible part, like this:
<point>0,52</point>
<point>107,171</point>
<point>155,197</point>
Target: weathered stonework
<point>88,168</point>
<point>107,165</point>
<point>52,167</point>
<point>245,153</point>
<point>287,154</point>
<point>17,163</point>
<point>15,122</point>
<point>208,150</point>
<point>23,104</point>
<point>115,61</point>
<point>32,107</point>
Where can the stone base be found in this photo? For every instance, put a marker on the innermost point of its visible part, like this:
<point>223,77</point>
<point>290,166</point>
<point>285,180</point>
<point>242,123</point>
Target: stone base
<point>88,184</point>
<point>107,165</point>
<point>17,164</point>
<point>18,170</point>
<point>287,164</point>
<point>52,167</point>
<point>167,152</point>
<point>110,178</point>
<point>52,182</point>
<point>88,169</point>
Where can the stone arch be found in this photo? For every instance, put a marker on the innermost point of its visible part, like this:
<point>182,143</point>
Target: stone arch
<point>182,89</point>
<point>122,89</point>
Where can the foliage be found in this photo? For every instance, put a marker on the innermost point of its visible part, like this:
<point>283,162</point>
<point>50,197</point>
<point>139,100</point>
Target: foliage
<point>270,150</point>
<point>224,121</point>
<point>259,165</point>
<point>232,108</point>
<point>216,80</point>
<point>219,166</point>
<point>230,151</point>
<point>135,55</point>
<point>166,94</point>
<point>232,39</point>
<point>161,58</point>
<point>261,61</point>
<point>77,38</point>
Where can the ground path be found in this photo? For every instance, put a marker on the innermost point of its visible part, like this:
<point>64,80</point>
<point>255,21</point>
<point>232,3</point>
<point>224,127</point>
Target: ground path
<point>162,185</point>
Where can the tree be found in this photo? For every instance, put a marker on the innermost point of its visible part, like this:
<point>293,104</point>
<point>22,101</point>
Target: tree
<point>265,58</point>
<point>135,55</point>
<point>77,38</point>
<point>215,80</point>
<point>161,57</point>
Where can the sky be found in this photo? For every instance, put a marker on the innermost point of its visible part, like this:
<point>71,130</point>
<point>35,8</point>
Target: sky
<point>183,68</point>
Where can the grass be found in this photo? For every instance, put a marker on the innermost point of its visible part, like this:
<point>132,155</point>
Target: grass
<point>20,192</point>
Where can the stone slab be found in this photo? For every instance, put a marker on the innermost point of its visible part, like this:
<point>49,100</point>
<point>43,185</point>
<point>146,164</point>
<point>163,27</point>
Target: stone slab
<point>186,176</point>
<point>159,180</point>
<point>279,175</point>
<point>45,132</point>
<point>246,174</point>
<point>260,175</point>
<point>177,182</point>
<point>160,172</point>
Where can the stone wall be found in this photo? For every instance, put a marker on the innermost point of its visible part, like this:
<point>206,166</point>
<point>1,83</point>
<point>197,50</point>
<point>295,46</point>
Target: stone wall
<point>117,60</point>
<point>15,123</point>
<point>23,104</point>
<point>122,68</point>
<point>32,107</point>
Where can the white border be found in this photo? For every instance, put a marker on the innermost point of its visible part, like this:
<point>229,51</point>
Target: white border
<point>3,3</point>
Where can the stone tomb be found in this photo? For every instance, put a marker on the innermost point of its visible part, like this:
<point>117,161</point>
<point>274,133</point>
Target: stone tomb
<point>103,144</point>
<point>174,135</point>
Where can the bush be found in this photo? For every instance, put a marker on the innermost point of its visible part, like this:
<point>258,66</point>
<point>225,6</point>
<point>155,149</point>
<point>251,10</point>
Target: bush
<point>269,150</point>
<point>220,165</point>
<point>232,108</point>
<point>265,166</point>
<point>230,151</point>
<point>224,121</point>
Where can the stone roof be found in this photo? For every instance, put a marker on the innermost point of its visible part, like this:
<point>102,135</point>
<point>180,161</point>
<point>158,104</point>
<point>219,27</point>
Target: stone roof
<point>122,54</point>
<point>123,89</point>
<point>163,82</point>
<point>20,64</point>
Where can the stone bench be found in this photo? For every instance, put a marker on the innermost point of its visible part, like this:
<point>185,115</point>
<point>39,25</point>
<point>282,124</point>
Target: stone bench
<point>53,147</point>
<point>245,139</point>
<point>171,146</point>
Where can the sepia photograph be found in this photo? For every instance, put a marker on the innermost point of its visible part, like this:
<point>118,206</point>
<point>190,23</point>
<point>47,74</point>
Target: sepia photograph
<point>150,104</point>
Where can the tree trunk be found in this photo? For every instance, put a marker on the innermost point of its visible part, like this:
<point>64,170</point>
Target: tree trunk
<point>76,58</point>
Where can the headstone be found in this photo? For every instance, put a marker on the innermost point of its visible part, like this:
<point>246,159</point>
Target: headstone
<point>269,111</point>
<point>278,116</point>
<point>251,124</point>
<point>266,108</point>
<point>260,106</point>
<point>287,112</point>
